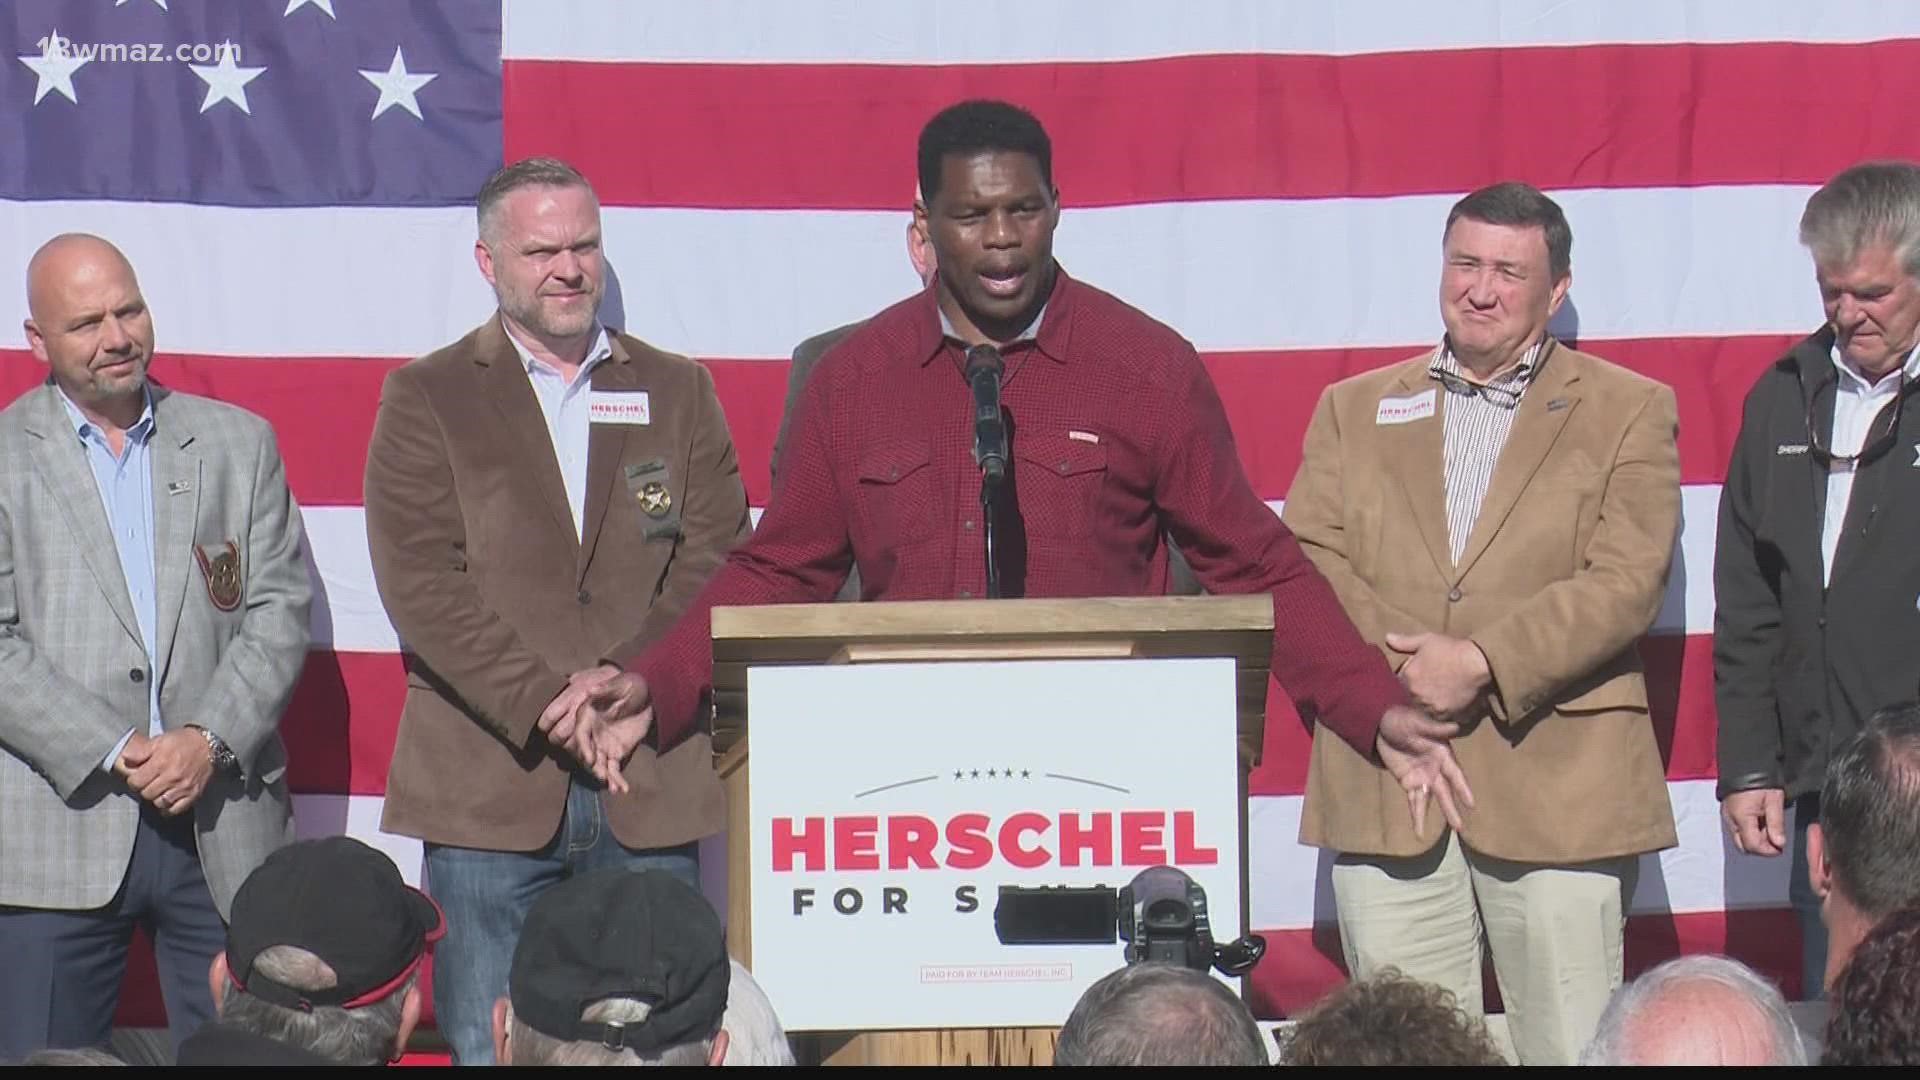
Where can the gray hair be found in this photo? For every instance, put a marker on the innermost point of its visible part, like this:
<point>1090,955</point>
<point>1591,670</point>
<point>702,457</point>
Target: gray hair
<point>86,1055</point>
<point>530,172</point>
<point>529,1047</point>
<point>754,1035</point>
<point>1160,1014</point>
<point>364,1035</point>
<point>1640,1002</point>
<point>1870,205</point>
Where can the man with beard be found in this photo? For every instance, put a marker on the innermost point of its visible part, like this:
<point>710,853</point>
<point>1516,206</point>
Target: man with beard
<point>153,619</point>
<point>1118,440</point>
<point>540,494</point>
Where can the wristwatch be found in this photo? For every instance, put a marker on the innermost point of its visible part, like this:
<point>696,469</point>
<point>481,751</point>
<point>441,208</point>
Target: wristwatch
<point>225,761</point>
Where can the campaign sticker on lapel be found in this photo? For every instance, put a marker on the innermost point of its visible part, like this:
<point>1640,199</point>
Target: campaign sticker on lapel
<point>222,571</point>
<point>619,407</point>
<point>1405,410</point>
<point>650,485</point>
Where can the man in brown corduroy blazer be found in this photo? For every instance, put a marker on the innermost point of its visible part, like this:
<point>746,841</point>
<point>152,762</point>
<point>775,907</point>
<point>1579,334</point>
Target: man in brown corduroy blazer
<point>1499,514</point>
<point>541,494</point>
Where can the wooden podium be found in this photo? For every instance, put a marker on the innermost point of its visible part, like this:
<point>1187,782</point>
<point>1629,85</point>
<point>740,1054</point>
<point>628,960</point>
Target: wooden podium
<point>1239,627</point>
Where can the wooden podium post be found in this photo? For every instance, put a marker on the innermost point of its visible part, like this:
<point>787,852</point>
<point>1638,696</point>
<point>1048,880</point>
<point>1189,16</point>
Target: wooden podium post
<point>1237,627</point>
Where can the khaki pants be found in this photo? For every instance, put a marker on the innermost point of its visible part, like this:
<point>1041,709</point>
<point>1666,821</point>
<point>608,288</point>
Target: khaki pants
<point>1554,931</point>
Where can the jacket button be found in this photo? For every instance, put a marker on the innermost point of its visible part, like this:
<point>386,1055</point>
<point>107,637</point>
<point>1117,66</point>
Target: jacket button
<point>1454,596</point>
<point>1821,622</point>
<point>137,675</point>
<point>584,597</point>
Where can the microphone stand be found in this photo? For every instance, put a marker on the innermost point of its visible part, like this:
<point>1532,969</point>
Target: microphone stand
<point>990,488</point>
<point>983,370</point>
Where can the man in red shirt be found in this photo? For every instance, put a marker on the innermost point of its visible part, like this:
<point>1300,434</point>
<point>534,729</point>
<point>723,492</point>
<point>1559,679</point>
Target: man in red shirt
<point>1118,439</point>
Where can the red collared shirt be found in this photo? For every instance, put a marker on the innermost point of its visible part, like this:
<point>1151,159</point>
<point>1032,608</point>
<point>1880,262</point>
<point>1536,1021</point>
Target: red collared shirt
<point>1118,436</point>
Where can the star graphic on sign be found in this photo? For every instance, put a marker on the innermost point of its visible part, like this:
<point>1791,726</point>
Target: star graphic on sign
<point>323,5</point>
<point>226,81</point>
<point>123,3</point>
<point>397,86</point>
<point>958,775</point>
<point>55,67</point>
<point>976,774</point>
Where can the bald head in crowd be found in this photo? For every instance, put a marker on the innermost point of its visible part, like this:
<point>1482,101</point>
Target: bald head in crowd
<point>1159,1014</point>
<point>1697,1010</point>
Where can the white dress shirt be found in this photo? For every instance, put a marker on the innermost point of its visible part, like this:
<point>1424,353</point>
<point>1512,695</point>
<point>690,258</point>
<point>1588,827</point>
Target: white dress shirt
<point>564,404</point>
<point>1856,404</point>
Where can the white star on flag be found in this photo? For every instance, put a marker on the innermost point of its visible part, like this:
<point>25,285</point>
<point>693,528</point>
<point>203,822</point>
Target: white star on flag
<point>397,86</point>
<point>226,81</point>
<point>323,5</point>
<point>55,67</point>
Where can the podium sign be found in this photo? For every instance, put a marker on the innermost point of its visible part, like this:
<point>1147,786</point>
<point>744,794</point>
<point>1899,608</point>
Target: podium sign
<point>890,802</point>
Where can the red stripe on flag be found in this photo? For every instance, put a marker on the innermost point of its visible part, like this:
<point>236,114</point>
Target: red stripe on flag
<point>1679,689</point>
<point>322,410</point>
<point>341,725</point>
<point>1303,965</point>
<point>1300,126</point>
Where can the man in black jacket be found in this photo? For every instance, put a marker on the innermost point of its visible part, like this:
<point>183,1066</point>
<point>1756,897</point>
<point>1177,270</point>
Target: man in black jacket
<point>1817,566</point>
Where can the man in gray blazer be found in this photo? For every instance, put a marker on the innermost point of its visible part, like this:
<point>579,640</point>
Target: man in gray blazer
<point>153,619</point>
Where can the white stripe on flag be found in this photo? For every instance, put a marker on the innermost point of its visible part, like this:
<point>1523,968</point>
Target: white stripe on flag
<point>1268,274</point>
<point>1015,31</point>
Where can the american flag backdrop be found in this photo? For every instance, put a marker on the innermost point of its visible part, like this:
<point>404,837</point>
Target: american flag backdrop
<point>293,180</point>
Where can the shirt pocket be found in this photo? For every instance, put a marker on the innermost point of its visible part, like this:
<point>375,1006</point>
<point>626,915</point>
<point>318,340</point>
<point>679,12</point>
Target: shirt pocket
<point>895,501</point>
<point>1061,483</point>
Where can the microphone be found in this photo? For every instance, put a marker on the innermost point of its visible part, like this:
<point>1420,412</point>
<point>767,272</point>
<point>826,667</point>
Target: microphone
<point>984,366</point>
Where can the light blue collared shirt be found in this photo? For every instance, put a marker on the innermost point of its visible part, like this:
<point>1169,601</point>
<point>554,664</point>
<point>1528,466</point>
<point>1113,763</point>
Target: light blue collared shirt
<point>125,484</point>
<point>564,404</point>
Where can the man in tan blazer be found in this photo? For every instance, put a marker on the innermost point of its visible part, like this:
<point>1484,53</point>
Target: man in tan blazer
<point>540,494</point>
<point>1499,514</point>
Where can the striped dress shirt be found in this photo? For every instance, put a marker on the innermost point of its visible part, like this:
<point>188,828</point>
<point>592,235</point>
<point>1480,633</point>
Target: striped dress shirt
<point>1479,417</point>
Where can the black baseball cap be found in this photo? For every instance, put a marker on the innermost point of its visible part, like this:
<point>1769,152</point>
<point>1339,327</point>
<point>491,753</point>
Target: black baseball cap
<point>345,903</point>
<point>614,933</point>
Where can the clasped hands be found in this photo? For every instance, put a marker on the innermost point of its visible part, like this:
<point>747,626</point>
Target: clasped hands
<point>599,717</point>
<point>170,770</point>
<point>1445,676</point>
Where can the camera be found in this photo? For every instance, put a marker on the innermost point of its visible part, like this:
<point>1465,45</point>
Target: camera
<point>1161,916</point>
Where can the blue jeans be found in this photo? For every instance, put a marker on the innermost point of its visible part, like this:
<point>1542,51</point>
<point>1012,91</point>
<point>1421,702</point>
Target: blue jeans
<point>486,895</point>
<point>1806,905</point>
